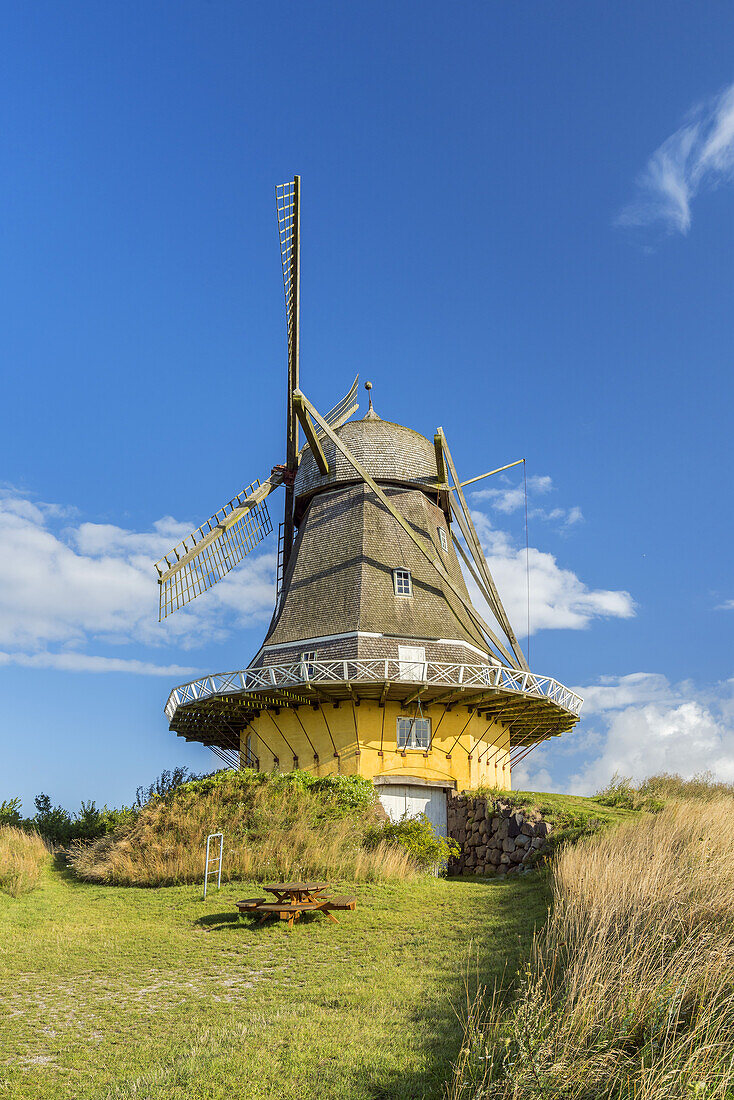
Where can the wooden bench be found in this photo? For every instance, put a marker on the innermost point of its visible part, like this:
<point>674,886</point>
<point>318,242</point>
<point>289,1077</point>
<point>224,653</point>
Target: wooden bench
<point>340,902</point>
<point>289,911</point>
<point>248,904</point>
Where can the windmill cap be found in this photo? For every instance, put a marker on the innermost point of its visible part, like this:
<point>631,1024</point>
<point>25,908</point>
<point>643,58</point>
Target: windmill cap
<point>388,452</point>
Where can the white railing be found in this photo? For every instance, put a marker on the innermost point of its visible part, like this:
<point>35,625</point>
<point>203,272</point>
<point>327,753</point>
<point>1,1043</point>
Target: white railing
<point>378,670</point>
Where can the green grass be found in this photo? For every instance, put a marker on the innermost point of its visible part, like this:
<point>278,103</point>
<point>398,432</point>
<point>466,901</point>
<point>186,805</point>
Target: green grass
<point>154,994</point>
<point>557,807</point>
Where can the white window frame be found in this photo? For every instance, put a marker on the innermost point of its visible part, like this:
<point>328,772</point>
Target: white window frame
<point>443,539</point>
<point>413,734</point>
<point>308,657</point>
<point>412,662</point>
<point>399,581</point>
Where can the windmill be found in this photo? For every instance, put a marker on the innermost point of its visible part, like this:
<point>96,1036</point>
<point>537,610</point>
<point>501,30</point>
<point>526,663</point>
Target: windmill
<point>376,661</point>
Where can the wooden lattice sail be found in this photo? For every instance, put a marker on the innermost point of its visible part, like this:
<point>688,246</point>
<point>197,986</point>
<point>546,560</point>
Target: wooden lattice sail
<point>212,550</point>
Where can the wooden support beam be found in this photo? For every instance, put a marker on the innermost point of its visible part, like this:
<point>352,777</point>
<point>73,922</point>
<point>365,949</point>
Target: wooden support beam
<point>481,477</point>
<point>501,650</point>
<point>478,555</point>
<point>383,696</point>
<point>475,576</point>
<point>472,700</point>
<point>310,433</point>
<point>317,693</point>
<point>443,487</point>
<point>425,548</point>
<point>440,464</point>
<point>415,695</point>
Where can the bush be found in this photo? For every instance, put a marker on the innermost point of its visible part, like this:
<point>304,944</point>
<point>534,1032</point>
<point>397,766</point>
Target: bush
<point>59,827</point>
<point>10,812</point>
<point>416,836</point>
<point>655,791</point>
<point>569,827</point>
<point>166,782</point>
<point>276,826</point>
<point>668,787</point>
<point>53,822</point>
<point>23,856</point>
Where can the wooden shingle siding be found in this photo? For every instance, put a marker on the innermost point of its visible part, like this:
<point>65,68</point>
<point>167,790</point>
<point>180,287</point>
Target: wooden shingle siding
<point>389,452</point>
<point>340,574</point>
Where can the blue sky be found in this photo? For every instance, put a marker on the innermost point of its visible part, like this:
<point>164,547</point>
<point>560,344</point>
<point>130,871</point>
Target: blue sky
<point>517,222</point>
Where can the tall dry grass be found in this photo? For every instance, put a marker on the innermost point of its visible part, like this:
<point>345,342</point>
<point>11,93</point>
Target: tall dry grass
<point>630,988</point>
<point>657,790</point>
<point>270,832</point>
<point>23,856</point>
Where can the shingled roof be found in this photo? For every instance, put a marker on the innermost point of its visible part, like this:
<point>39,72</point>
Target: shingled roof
<point>341,571</point>
<point>389,452</point>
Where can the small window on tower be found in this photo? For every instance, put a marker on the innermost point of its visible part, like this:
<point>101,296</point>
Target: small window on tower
<point>414,733</point>
<point>442,539</point>
<point>402,582</point>
<point>307,663</point>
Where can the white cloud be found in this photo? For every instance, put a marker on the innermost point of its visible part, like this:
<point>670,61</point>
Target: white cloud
<point>559,600</point>
<point>685,738</point>
<point>69,586</point>
<point>507,498</point>
<point>699,156</point>
<point>616,692</point>
<point>641,725</point>
<point>727,605</point>
<point>84,662</point>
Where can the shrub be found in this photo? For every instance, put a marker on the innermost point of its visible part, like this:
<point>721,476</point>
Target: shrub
<point>275,825</point>
<point>416,836</point>
<point>657,790</point>
<point>23,856</point>
<point>10,812</point>
<point>59,827</point>
<point>53,822</point>
<point>166,782</point>
<point>703,787</point>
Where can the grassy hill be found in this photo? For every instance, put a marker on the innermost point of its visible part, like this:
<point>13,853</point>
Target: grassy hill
<point>125,994</point>
<point>276,826</point>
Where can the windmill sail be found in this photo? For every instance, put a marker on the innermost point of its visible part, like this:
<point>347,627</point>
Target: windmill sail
<point>343,410</point>
<point>286,205</point>
<point>213,549</point>
<point>288,208</point>
<point>338,415</point>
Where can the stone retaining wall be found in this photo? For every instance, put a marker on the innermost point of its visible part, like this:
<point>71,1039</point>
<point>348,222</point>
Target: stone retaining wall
<point>495,838</point>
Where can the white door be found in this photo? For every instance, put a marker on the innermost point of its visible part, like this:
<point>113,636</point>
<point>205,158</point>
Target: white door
<point>412,660</point>
<point>413,800</point>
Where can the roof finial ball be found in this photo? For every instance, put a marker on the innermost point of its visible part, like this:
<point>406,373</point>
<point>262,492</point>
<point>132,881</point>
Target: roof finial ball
<point>368,387</point>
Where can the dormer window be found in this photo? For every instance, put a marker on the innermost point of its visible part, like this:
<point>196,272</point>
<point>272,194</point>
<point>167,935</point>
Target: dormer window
<point>402,582</point>
<point>442,539</point>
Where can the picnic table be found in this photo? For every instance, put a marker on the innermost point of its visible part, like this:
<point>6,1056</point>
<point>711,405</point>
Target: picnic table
<point>294,898</point>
